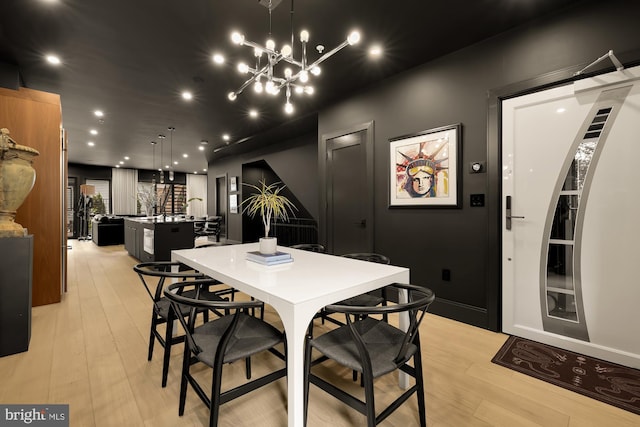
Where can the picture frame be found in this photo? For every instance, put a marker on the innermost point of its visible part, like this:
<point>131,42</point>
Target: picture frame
<point>233,203</point>
<point>233,183</point>
<point>425,168</point>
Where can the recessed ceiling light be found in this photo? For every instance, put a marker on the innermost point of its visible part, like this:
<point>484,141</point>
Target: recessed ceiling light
<point>53,59</point>
<point>98,113</point>
<point>218,58</point>
<point>204,142</point>
<point>187,95</point>
<point>93,132</point>
<point>185,155</point>
<point>175,162</point>
<point>195,172</point>
<point>253,113</point>
<point>226,137</point>
<point>375,50</point>
<point>121,162</point>
<point>204,170</point>
<point>90,143</point>
<point>126,157</point>
<point>201,148</point>
<point>117,166</point>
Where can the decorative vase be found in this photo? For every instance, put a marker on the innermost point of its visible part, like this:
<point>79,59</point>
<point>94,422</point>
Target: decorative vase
<point>268,245</point>
<point>17,177</point>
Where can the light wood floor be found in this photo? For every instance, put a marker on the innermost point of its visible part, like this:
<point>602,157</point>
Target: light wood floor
<point>89,351</point>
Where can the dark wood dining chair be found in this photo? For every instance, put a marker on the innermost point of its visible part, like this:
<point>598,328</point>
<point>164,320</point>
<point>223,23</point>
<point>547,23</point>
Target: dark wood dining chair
<point>373,347</point>
<point>236,335</point>
<point>155,276</point>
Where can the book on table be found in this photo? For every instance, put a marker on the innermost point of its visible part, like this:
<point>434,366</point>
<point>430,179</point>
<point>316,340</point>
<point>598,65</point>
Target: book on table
<point>269,259</point>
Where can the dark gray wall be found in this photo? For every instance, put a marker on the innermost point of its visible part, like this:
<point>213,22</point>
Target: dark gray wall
<point>457,88</point>
<point>294,161</point>
<point>462,87</point>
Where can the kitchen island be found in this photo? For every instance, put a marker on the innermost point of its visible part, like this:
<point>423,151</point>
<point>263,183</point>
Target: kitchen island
<point>153,238</point>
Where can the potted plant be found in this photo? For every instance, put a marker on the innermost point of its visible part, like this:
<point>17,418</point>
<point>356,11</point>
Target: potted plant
<point>271,205</point>
<point>148,198</point>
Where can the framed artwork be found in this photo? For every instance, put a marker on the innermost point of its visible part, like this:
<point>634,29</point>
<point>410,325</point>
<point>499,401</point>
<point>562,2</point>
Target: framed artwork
<point>424,168</point>
<point>233,183</point>
<point>233,203</point>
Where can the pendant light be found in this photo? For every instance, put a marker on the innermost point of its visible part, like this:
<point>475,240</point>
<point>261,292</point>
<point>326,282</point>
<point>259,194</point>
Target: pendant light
<point>153,167</point>
<point>171,129</point>
<point>161,137</point>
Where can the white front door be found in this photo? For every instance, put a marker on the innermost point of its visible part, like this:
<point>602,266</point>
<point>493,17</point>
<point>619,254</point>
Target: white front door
<point>571,229</point>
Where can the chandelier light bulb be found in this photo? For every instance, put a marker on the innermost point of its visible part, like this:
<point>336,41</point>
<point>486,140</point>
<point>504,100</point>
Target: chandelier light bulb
<point>288,108</point>
<point>270,87</point>
<point>353,38</point>
<point>288,73</point>
<point>299,89</point>
<point>309,90</point>
<point>304,36</point>
<point>171,175</point>
<point>304,76</point>
<point>286,51</point>
<point>232,96</point>
<point>257,86</point>
<point>316,71</point>
<point>257,52</point>
<point>271,45</point>
<point>237,38</point>
<point>243,68</point>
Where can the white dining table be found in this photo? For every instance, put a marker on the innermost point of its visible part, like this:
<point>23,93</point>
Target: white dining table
<point>296,290</point>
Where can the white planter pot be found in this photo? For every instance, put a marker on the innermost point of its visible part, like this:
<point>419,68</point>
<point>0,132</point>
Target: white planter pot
<point>268,245</point>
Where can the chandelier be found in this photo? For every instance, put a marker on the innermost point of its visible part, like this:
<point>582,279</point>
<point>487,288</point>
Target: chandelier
<point>297,72</point>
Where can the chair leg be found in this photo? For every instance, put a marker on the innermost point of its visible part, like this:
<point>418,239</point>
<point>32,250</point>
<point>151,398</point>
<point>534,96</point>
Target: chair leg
<point>307,368</point>
<point>214,410</point>
<point>247,365</point>
<point>152,337</point>
<point>422,407</point>
<point>369,399</point>
<point>186,363</point>
<point>168,338</point>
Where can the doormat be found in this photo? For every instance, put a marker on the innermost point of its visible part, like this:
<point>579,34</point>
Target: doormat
<point>607,382</point>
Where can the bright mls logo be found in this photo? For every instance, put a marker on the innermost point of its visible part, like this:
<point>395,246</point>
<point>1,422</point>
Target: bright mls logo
<point>37,415</point>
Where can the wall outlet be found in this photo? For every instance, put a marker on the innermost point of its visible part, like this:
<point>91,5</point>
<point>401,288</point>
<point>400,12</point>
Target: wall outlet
<point>476,200</point>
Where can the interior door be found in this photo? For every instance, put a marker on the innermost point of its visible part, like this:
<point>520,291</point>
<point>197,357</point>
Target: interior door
<point>570,228</point>
<point>349,213</point>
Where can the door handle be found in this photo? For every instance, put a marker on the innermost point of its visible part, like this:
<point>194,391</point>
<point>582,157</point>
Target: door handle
<point>508,216</point>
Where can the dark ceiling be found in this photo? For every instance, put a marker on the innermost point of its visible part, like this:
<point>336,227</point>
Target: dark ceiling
<point>133,58</point>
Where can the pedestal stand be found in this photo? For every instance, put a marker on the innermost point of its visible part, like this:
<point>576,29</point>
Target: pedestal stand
<point>16,266</point>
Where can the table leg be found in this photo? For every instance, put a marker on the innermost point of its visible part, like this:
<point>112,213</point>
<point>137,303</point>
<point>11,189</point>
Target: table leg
<point>295,325</point>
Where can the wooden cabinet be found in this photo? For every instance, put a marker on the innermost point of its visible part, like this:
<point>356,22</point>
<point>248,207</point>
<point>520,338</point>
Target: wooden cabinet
<point>34,119</point>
